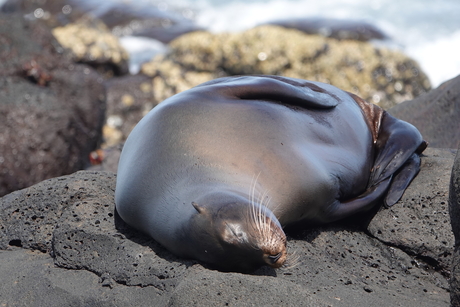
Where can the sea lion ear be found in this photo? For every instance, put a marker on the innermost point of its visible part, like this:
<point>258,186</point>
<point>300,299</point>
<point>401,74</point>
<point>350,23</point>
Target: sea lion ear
<point>198,208</point>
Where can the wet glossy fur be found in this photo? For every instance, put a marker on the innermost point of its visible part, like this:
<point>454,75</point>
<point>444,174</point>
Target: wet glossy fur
<point>215,172</point>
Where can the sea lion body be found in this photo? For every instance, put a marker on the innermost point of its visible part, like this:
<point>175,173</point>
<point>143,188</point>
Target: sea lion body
<point>286,149</point>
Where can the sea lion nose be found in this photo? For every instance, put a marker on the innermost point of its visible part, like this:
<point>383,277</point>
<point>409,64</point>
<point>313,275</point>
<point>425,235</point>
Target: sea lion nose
<point>274,258</point>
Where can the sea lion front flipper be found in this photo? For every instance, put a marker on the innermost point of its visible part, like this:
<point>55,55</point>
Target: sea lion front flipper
<point>363,202</point>
<point>272,88</point>
<point>393,185</point>
<point>402,179</point>
<point>396,142</point>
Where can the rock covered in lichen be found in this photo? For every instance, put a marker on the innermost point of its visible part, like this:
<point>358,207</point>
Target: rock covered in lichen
<point>93,43</point>
<point>170,78</point>
<point>382,76</point>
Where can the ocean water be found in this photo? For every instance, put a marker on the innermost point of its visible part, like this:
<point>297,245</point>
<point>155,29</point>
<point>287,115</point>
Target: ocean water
<point>426,30</point>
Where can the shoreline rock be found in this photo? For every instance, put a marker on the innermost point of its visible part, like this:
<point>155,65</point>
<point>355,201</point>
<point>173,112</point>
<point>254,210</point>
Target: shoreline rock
<point>436,114</point>
<point>72,218</point>
<point>91,43</point>
<point>378,75</point>
<point>52,109</point>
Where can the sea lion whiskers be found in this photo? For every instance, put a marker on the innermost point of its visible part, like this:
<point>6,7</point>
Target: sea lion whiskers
<point>266,225</point>
<point>270,236</point>
<point>255,210</point>
<point>292,261</point>
<point>257,216</point>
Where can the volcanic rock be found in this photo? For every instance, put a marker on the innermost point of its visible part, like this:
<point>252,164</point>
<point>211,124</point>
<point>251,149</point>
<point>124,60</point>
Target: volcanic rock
<point>65,231</point>
<point>52,108</point>
<point>435,114</point>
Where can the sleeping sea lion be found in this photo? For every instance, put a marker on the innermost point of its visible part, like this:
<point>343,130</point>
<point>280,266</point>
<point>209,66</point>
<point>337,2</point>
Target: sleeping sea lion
<point>214,173</point>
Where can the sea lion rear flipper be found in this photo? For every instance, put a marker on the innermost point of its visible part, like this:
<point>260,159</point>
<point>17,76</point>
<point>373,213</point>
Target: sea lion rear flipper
<point>272,88</point>
<point>363,202</point>
<point>393,185</point>
<point>397,145</point>
<point>397,141</point>
<point>402,179</point>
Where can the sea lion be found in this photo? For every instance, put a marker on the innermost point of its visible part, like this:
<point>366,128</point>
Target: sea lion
<point>214,173</point>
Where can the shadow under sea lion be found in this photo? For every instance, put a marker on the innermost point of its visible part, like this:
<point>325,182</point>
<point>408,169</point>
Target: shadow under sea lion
<point>215,173</point>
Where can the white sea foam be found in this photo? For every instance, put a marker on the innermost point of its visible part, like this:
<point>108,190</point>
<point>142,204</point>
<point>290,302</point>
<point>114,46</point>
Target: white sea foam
<point>439,58</point>
<point>141,50</point>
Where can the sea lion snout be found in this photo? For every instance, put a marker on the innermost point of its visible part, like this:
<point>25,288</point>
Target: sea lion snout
<point>254,229</point>
<point>276,261</point>
<point>249,236</point>
<point>273,244</point>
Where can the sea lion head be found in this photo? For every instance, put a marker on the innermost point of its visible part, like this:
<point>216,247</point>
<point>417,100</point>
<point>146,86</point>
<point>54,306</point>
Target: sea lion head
<point>238,236</point>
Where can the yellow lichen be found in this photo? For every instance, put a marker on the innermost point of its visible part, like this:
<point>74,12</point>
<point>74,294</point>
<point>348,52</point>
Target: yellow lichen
<point>354,66</point>
<point>90,42</point>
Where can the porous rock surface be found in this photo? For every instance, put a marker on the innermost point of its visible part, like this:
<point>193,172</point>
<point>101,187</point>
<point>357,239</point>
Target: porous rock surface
<point>436,114</point>
<point>379,75</point>
<point>64,236</point>
<point>421,217</point>
<point>52,109</point>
